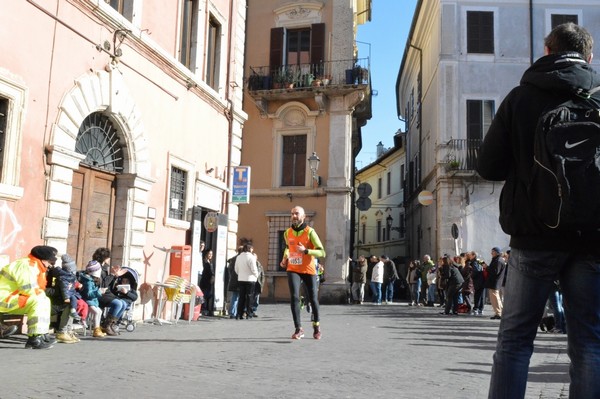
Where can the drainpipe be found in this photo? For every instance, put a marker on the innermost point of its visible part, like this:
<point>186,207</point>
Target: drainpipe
<point>530,32</point>
<point>419,151</point>
<point>229,112</point>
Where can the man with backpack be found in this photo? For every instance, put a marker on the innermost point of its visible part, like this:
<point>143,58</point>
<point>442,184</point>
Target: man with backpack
<point>550,99</point>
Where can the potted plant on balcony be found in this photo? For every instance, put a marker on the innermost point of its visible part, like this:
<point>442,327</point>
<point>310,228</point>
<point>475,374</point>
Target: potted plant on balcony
<point>281,78</point>
<point>255,82</point>
<point>453,165</point>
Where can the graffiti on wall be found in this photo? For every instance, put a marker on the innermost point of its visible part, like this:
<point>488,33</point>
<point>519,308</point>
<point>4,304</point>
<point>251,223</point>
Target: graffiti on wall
<point>9,227</point>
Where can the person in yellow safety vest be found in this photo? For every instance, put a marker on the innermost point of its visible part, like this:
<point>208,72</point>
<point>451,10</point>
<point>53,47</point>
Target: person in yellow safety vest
<point>302,247</point>
<point>22,285</point>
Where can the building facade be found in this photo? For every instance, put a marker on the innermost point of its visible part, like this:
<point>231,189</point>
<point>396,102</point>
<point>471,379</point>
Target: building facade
<point>120,122</point>
<point>460,60</point>
<point>307,94</point>
<point>379,190</point>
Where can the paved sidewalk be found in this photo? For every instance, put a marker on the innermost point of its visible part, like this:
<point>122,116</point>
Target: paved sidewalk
<point>366,352</point>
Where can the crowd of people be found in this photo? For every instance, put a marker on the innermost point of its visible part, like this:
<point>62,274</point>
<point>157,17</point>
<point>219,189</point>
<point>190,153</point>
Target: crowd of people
<point>457,284</point>
<point>54,296</point>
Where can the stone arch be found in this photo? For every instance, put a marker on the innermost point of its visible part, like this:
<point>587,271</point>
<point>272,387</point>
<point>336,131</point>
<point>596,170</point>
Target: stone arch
<point>104,92</point>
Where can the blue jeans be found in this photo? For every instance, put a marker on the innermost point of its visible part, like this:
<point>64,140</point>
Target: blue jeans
<point>389,291</point>
<point>528,285</point>
<point>415,291</point>
<point>235,297</point>
<point>118,307</point>
<point>556,302</point>
<point>376,290</point>
<point>431,290</point>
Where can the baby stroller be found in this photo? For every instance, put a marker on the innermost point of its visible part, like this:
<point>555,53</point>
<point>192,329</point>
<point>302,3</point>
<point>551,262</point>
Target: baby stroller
<point>126,319</point>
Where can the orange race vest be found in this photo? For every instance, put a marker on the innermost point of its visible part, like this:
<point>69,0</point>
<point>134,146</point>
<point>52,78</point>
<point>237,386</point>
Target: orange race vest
<point>298,262</point>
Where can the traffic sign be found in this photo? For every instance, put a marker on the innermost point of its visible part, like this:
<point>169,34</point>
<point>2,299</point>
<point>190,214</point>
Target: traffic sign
<point>364,190</point>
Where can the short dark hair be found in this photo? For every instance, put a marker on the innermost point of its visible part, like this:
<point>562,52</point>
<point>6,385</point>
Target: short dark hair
<point>570,37</point>
<point>101,254</point>
<point>247,247</point>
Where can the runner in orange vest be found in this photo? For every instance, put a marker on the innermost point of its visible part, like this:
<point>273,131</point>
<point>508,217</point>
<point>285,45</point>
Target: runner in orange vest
<point>302,247</point>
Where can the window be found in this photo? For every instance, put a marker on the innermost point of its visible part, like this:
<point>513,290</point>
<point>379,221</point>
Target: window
<point>189,24</point>
<point>298,46</point>
<point>402,225</point>
<point>177,193</point>
<point>402,177</point>
<point>294,161</point>
<point>389,183</point>
<point>379,188</point>
<point>98,140</point>
<point>558,19</point>
<point>363,233</point>
<point>480,32</point>
<point>379,231</point>
<point>3,124</point>
<point>12,114</point>
<point>479,118</point>
<point>213,53</point>
<point>123,7</point>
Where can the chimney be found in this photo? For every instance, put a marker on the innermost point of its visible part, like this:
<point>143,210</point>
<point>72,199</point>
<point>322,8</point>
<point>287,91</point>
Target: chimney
<point>380,150</point>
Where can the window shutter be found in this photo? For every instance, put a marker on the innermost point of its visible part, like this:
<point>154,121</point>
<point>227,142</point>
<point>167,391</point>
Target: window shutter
<point>317,43</point>
<point>276,56</point>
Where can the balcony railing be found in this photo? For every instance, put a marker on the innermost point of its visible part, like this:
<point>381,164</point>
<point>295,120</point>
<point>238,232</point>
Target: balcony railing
<point>461,154</point>
<point>324,74</point>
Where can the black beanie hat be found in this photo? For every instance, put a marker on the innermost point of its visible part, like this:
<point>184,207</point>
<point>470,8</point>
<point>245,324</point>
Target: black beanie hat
<point>44,252</point>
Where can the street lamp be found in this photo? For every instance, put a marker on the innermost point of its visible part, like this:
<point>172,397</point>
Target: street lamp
<point>388,222</point>
<point>313,163</point>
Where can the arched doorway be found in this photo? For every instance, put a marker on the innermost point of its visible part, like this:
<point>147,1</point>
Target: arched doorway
<point>114,173</point>
<point>91,218</point>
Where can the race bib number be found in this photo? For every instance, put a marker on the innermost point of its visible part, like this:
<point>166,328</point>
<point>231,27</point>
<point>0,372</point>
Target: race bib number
<point>295,256</point>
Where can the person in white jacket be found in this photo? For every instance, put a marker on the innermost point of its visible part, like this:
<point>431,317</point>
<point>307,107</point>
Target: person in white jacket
<point>247,271</point>
<point>376,279</point>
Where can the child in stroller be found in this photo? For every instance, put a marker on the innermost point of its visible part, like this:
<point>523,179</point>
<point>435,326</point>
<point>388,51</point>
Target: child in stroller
<point>119,296</point>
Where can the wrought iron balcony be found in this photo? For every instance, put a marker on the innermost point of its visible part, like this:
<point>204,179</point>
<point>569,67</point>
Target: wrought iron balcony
<point>318,81</point>
<point>327,75</point>
<point>460,155</point>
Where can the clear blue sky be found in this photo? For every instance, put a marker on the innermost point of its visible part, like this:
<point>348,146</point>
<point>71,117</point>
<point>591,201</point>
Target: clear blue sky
<point>386,34</point>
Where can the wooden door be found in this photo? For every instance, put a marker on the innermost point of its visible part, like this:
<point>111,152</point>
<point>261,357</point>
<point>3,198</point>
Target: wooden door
<point>92,213</point>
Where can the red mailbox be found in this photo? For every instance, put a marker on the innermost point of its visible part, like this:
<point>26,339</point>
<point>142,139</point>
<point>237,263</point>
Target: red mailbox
<point>181,261</point>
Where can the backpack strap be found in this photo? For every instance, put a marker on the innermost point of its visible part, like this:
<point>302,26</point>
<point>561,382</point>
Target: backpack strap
<point>587,95</point>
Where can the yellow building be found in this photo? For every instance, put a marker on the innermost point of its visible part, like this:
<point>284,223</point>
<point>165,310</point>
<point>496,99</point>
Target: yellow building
<point>307,94</point>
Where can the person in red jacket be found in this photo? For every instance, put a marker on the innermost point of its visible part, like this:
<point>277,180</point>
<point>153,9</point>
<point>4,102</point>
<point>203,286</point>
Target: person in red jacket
<point>302,247</point>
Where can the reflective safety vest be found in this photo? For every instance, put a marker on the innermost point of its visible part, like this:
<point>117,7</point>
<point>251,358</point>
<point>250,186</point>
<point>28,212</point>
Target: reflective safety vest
<point>18,281</point>
<point>298,261</point>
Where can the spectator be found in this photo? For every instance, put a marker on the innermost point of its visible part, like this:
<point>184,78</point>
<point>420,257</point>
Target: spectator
<point>233,285</point>
<point>431,285</point>
<point>22,285</point>
<point>540,255</point>
<point>455,281</point>
<point>118,296</point>
<point>207,282</point>
<point>359,278</point>
<point>258,287</point>
<point>390,275</point>
<point>90,291</point>
<point>247,271</point>
<point>376,279</point>
<point>494,281</point>
<point>413,276</point>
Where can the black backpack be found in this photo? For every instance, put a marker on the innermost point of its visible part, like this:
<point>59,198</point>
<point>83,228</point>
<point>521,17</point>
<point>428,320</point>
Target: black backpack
<point>565,181</point>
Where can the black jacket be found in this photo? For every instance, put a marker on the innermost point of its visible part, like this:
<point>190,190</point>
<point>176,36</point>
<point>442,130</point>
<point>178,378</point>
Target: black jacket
<point>507,150</point>
<point>496,271</point>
